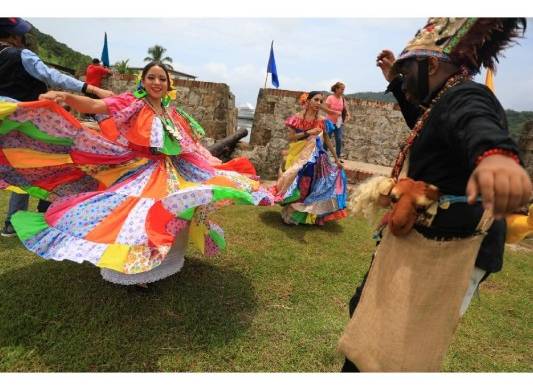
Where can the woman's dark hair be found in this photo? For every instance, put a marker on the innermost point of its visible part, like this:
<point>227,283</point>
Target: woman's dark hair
<point>311,94</point>
<point>162,66</point>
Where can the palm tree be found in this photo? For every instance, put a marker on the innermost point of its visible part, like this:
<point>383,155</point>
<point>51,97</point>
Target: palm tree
<point>156,54</point>
<point>124,70</point>
<point>122,66</point>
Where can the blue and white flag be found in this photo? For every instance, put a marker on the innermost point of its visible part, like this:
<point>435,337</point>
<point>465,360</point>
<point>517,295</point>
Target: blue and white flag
<point>271,68</point>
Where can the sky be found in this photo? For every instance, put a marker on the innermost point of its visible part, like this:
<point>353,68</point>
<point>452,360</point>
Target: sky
<point>311,53</point>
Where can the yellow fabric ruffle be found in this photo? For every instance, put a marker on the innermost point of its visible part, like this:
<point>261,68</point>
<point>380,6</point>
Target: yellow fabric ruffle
<point>295,148</point>
<point>7,108</point>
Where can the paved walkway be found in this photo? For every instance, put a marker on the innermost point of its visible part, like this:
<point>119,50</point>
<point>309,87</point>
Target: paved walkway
<point>356,171</point>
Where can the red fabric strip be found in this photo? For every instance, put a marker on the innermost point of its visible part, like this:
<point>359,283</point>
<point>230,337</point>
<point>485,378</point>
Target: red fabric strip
<point>52,182</point>
<point>86,158</point>
<point>239,164</point>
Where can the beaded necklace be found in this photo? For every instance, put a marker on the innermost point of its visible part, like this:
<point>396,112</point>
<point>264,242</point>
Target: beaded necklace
<point>167,122</point>
<point>420,123</point>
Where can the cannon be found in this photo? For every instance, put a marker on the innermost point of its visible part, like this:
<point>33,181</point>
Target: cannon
<point>224,147</point>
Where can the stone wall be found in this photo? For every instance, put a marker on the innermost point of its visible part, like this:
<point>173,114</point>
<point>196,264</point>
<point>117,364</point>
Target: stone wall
<point>372,136</point>
<point>526,147</point>
<point>211,104</point>
<point>118,83</point>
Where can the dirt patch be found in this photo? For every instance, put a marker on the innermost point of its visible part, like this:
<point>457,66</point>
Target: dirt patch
<point>522,246</point>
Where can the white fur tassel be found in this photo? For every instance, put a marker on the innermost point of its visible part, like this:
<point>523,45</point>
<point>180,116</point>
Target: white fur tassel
<point>364,200</point>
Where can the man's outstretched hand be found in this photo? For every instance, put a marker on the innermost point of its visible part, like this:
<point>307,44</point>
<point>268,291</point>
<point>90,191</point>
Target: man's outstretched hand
<point>504,185</point>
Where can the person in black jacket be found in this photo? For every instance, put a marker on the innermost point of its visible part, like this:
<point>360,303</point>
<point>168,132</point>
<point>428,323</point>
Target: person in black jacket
<point>23,77</point>
<point>460,141</point>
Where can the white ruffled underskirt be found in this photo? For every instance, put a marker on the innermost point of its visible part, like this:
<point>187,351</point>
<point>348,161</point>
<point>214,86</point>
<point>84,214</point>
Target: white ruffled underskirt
<point>172,264</point>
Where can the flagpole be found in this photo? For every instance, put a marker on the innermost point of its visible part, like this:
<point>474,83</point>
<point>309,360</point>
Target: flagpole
<point>266,77</point>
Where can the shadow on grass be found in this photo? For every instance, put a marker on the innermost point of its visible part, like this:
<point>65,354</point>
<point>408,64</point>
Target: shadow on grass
<point>75,321</point>
<point>296,232</point>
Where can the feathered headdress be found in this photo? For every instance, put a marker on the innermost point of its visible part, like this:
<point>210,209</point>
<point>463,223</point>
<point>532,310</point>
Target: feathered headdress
<point>469,42</point>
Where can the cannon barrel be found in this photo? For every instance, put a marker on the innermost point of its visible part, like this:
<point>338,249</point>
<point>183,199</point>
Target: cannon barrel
<point>224,147</point>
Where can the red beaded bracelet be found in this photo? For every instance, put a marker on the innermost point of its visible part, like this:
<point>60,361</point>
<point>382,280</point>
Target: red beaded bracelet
<point>502,152</point>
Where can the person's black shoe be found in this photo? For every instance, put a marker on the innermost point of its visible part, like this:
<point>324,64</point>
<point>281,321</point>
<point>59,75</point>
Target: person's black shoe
<point>8,230</point>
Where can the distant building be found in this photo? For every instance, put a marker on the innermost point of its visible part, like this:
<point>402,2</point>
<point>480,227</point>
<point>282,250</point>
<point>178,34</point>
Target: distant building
<point>245,119</point>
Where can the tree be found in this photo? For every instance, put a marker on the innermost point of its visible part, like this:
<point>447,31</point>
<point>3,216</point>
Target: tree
<point>123,69</point>
<point>122,66</point>
<point>156,54</point>
<point>56,52</point>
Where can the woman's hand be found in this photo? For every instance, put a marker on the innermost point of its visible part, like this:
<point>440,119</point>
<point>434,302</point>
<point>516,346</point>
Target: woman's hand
<point>339,163</point>
<point>385,60</point>
<point>82,104</point>
<point>503,184</point>
<point>56,96</point>
<point>315,131</point>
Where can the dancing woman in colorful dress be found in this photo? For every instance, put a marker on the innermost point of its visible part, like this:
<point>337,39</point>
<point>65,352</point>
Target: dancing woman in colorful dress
<point>126,198</point>
<point>311,187</point>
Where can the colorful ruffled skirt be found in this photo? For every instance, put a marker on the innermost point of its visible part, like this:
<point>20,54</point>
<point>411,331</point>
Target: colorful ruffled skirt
<point>312,189</point>
<point>117,208</point>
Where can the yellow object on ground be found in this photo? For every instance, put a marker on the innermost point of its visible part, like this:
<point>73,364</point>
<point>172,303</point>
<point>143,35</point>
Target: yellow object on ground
<point>519,227</point>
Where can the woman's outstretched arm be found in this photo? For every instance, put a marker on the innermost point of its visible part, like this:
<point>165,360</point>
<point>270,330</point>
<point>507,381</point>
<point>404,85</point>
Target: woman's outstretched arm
<point>82,104</point>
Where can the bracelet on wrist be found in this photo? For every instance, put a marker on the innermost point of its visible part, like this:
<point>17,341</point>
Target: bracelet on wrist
<point>498,151</point>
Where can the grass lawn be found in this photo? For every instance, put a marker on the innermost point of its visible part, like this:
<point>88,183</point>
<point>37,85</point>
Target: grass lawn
<point>275,300</point>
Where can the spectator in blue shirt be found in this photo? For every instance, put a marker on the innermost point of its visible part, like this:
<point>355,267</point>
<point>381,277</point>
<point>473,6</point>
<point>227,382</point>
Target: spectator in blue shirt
<point>23,77</point>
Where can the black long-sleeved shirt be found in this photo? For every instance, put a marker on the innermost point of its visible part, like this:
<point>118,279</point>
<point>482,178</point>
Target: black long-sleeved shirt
<point>466,121</point>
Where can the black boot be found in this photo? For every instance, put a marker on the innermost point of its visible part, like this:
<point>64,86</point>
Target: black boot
<point>8,230</point>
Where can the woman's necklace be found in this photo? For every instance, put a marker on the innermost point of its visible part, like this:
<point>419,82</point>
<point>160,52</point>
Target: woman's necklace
<point>165,119</point>
<point>153,107</point>
<point>314,118</point>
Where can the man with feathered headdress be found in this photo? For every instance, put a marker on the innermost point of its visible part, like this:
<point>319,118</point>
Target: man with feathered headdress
<point>422,278</point>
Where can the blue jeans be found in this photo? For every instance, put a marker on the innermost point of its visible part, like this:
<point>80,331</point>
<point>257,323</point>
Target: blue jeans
<point>20,202</point>
<point>338,139</point>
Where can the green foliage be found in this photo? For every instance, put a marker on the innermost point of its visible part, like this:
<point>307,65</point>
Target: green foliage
<point>122,67</point>
<point>516,121</point>
<point>58,53</point>
<point>156,53</point>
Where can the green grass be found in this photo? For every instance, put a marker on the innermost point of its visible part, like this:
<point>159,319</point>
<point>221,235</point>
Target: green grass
<point>275,300</point>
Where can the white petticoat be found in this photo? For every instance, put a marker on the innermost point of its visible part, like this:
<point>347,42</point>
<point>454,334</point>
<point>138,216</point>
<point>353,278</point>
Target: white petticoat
<point>172,264</point>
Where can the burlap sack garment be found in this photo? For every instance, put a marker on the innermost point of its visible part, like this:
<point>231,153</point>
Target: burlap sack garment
<point>409,307</point>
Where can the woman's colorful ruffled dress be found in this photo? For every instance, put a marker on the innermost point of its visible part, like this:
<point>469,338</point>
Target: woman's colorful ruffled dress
<point>120,195</point>
<point>311,187</point>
